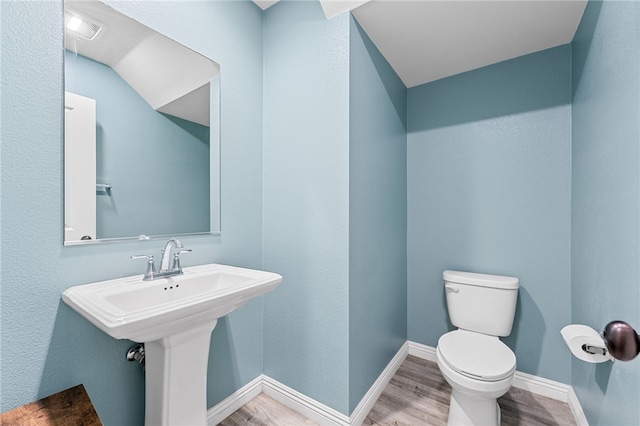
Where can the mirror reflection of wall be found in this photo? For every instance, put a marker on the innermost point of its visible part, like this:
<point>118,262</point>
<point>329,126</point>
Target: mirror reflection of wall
<point>152,132</point>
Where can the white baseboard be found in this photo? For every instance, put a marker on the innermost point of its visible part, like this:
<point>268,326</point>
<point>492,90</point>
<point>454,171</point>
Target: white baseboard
<point>235,401</point>
<point>314,410</point>
<point>369,399</point>
<point>310,408</point>
<point>576,409</point>
<point>554,390</point>
<point>288,397</point>
<point>422,351</point>
<point>541,386</point>
<point>324,415</point>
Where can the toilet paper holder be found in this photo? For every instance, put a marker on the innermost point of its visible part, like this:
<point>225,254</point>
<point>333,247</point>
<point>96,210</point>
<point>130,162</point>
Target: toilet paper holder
<point>594,350</point>
<point>618,341</point>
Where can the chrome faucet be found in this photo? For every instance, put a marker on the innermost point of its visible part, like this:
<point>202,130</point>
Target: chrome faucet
<point>166,254</point>
<point>165,271</point>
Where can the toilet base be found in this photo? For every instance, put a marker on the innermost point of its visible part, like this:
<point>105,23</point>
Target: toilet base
<point>469,410</point>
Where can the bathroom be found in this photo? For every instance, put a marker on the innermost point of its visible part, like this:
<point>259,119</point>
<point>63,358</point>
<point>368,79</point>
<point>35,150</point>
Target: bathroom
<point>537,178</point>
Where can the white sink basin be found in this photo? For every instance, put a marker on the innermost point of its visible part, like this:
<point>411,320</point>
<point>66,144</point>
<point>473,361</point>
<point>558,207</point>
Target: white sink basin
<point>174,318</point>
<point>143,311</point>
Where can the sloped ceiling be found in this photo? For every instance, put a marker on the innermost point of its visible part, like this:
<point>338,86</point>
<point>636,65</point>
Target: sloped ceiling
<point>170,77</point>
<point>423,40</point>
<point>426,40</point>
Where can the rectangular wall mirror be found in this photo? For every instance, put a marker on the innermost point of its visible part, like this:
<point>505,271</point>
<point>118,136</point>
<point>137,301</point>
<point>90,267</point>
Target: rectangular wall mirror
<point>142,131</point>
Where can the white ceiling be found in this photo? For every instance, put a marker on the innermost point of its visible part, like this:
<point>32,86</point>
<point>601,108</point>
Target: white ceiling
<point>170,77</point>
<point>423,40</point>
<point>426,40</point>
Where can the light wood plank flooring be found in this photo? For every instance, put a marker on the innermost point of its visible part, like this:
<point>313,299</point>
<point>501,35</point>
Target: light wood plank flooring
<point>264,411</point>
<point>416,395</point>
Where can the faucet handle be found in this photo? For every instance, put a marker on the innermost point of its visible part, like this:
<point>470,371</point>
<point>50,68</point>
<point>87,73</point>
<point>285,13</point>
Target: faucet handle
<point>143,256</point>
<point>151,267</point>
<point>176,259</point>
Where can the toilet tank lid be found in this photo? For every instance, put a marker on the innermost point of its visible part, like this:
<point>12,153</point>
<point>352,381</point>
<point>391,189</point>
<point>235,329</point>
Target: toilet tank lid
<point>484,280</point>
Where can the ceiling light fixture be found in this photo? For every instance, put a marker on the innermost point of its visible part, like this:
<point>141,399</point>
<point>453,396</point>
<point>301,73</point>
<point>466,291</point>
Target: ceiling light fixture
<point>80,25</point>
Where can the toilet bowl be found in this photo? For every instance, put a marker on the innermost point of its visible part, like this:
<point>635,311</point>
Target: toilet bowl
<point>479,367</point>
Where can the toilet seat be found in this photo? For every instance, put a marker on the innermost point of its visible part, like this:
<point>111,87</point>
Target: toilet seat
<point>477,356</point>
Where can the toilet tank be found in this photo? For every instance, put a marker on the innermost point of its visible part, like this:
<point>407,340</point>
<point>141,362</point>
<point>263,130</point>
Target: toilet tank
<point>480,302</point>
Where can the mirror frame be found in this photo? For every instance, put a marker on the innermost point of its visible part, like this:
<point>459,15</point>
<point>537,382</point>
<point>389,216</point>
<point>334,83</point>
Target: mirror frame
<point>214,160</point>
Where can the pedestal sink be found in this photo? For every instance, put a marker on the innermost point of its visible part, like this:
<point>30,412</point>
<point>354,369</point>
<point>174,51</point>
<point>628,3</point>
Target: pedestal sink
<point>174,318</point>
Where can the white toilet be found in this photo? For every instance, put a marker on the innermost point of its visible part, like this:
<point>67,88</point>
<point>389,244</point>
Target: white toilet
<point>472,359</point>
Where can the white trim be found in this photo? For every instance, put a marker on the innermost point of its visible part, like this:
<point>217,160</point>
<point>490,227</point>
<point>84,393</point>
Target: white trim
<point>325,415</point>
<point>576,409</point>
<point>541,386</point>
<point>369,399</point>
<point>235,401</point>
<point>422,351</point>
<point>308,407</point>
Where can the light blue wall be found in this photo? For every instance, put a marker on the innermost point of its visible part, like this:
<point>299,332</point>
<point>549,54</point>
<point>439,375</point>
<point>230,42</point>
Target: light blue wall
<point>46,346</point>
<point>306,200</point>
<point>334,205</point>
<point>377,214</point>
<point>488,189</point>
<point>606,200</point>
<point>488,169</point>
<point>145,155</point>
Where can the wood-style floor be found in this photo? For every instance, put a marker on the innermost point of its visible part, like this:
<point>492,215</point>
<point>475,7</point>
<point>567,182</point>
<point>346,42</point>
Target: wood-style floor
<point>416,395</point>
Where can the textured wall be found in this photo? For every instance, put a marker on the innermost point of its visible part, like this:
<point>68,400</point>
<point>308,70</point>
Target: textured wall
<point>489,191</point>
<point>46,346</point>
<point>606,200</point>
<point>145,155</point>
<point>306,200</point>
<point>488,175</point>
<point>377,214</point>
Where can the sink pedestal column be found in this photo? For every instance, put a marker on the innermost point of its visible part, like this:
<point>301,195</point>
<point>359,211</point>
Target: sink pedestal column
<point>176,378</point>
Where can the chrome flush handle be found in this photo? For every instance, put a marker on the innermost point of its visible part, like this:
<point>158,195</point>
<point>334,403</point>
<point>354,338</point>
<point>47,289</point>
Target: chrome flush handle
<point>452,288</point>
